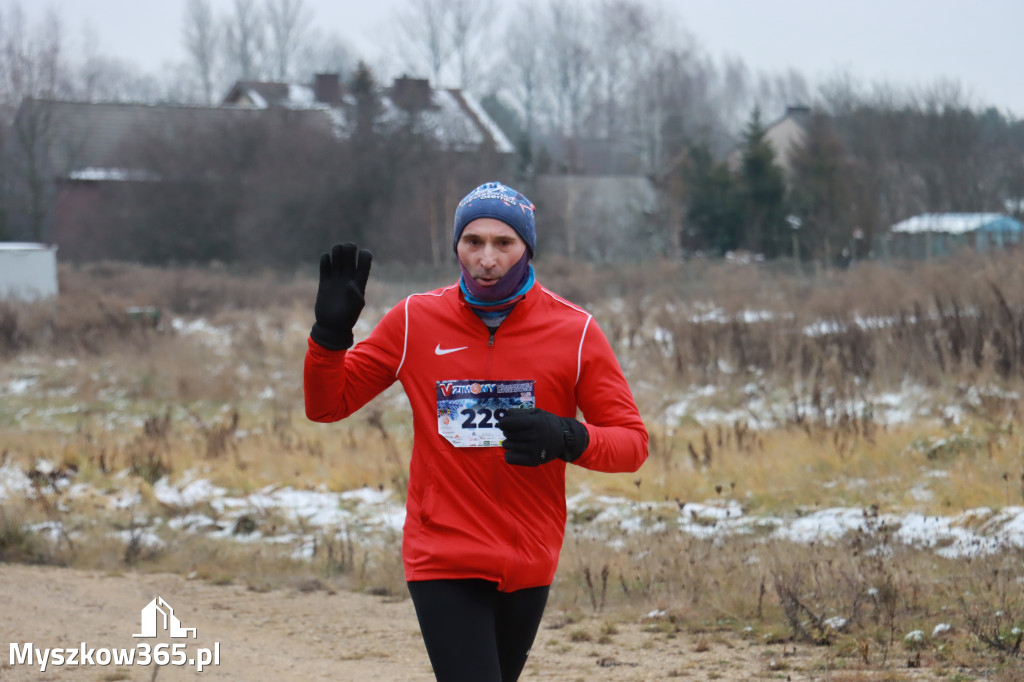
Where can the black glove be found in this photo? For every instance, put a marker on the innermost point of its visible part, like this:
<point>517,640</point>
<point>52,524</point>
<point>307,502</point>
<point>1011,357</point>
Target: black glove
<point>534,436</point>
<point>339,300</point>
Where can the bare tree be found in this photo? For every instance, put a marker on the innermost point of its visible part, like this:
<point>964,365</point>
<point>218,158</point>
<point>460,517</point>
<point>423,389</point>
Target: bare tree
<point>734,92</point>
<point>626,35</point>
<point>633,91</point>
<point>570,55</point>
<point>32,65</point>
<point>244,40</point>
<point>202,38</point>
<point>288,23</point>
<point>471,20</point>
<point>324,53</point>
<point>109,79</point>
<point>691,96</point>
<point>32,62</point>
<point>525,62</point>
<point>425,34</point>
<point>774,92</point>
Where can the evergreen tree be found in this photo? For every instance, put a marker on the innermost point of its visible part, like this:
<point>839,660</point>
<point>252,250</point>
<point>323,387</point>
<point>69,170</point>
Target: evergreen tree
<point>714,211</point>
<point>364,179</point>
<point>763,190</point>
<point>363,87</point>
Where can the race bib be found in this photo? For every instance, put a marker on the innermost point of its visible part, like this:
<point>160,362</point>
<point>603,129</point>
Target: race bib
<point>468,411</point>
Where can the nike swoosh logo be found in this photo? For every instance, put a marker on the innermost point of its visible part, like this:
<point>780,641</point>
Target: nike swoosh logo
<point>445,351</point>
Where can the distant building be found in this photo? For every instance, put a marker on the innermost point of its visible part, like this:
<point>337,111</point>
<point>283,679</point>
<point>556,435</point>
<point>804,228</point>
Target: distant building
<point>76,161</point>
<point>785,134</point>
<point>28,272</point>
<point>937,235</point>
<point>86,155</point>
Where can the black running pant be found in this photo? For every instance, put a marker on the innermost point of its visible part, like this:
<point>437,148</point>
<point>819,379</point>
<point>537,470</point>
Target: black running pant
<point>473,632</point>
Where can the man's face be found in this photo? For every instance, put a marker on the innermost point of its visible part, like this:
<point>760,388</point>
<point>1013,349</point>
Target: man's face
<point>488,248</point>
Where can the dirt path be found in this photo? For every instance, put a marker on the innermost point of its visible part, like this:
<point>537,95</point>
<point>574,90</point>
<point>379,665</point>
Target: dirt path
<point>294,635</point>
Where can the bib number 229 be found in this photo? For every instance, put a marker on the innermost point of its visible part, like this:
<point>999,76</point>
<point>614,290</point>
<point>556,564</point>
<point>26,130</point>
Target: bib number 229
<point>485,416</point>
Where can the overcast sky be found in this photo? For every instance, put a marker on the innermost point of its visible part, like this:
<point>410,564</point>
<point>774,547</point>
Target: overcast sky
<point>902,42</point>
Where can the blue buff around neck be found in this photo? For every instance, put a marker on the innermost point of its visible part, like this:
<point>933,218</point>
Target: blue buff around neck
<point>476,302</point>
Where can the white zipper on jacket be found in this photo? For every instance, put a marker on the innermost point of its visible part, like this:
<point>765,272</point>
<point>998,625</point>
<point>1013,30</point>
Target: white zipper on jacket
<point>513,561</point>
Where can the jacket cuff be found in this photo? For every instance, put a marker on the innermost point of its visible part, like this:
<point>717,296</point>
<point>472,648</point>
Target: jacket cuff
<point>577,438</point>
<point>331,339</point>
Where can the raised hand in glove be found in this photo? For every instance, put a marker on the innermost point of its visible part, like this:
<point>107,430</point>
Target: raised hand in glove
<point>340,298</point>
<point>534,436</point>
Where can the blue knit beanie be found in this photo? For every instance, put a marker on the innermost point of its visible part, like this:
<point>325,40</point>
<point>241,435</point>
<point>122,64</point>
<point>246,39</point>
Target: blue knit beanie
<point>495,200</point>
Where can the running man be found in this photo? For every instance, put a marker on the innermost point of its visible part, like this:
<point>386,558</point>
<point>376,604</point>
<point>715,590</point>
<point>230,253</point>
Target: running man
<point>495,367</point>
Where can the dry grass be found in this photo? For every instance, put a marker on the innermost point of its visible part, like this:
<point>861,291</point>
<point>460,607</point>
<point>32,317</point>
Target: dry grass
<point>97,392</point>
<point>890,468</point>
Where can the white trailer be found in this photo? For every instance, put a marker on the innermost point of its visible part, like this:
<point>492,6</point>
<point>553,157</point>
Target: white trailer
<point>28,272</point>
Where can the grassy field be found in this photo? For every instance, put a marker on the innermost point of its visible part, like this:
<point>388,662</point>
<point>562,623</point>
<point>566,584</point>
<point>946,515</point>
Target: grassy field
<point>889,392</point>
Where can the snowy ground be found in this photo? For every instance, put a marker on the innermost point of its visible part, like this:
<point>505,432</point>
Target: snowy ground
<point>371,516</point>
<point>296,518</point>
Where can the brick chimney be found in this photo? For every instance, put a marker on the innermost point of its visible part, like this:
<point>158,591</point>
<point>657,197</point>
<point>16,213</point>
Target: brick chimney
<point>800,113</point>
<point>327,88</point>
<point>411,94</point>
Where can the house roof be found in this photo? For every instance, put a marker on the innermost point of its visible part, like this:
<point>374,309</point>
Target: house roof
<point>958,223</point>
<point>258,94</point>
<point>454,117</point>
<point>93,141</point>
<point>25,246</point>
<point>797,113</point>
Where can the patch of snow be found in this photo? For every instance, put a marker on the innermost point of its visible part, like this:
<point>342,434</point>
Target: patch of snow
<point>14,482</point>
<point>145,539</point>
<point>257,99</point>
<point>837,623</point>
<point>921,493</point>
<point>51,530</point>
<point>189,495</point>
<point>125,499</point>
<point>300,95</point>
<point>93,174</point>
<point>827,524</point>
<point>19,386</point>
<point>194,522</point>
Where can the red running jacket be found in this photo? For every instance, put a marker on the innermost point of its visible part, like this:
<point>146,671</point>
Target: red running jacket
<point>468,513</point>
